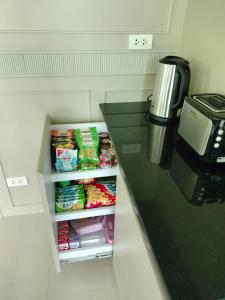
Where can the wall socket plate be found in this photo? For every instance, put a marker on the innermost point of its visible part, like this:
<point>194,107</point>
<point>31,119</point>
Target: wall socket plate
<point>140,41</point>
<point>16,181</point>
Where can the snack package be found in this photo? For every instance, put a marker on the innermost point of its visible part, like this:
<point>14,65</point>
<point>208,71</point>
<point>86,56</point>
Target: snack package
<point>88,141</point>
<point>73,239</point>
<point>107,152</point>
<point>105,144</point>
<point>63,224</point>
<point>86,137</point>
<point>100,195</point>
<point>88,154</point>
<point>63,244</point>
<point>63,183</point>
<point>87,225</point>
<point>64,152</point>
<point>64,133</point>
<point>108,223</point>
<point>67,237</point>
<point>63,144</point>
<point>103,135</point>
<point>105,161</point>
<point>88,166</point>
<point>69,198</point>
<point>72,205</point>
<point>63,230</point>
<point>66,160</point>
<point>86,181</point>
<point>111,188</point>
<point>88,158</point>
<point>93,238</point>
<point>90,231</point>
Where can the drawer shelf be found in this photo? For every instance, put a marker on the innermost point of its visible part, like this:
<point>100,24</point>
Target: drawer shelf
<point>55,177</point>
<point>85,253</point>
<point>47,177</point>
<point>85,213</point>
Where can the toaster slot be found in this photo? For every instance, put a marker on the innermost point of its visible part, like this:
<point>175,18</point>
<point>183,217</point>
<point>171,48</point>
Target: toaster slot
<point>213,102</point>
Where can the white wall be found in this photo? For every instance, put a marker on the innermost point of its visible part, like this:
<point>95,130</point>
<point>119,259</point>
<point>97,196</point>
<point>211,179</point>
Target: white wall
<point>204,45</point>
<point>84,29</point>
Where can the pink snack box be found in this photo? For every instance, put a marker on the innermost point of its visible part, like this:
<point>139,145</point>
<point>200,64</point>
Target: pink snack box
<point>84,226</point>
<point>108,224</point>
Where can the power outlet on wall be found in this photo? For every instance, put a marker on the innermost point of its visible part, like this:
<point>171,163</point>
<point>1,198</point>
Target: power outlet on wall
<point>140,41</point>
<point>16,181</point>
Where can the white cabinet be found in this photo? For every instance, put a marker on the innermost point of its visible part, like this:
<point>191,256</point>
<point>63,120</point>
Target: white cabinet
<point>134,264</point>
<point>135,268</point>
<point>47,178</point>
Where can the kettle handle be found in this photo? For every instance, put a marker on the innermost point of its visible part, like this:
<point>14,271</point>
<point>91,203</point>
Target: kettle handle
<point>184,72</point>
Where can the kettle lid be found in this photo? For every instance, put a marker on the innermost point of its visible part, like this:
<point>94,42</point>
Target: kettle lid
<point>174,60</point>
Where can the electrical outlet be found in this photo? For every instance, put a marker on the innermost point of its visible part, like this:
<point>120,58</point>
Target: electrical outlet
<point>140,41</point>
<point>16,181</point>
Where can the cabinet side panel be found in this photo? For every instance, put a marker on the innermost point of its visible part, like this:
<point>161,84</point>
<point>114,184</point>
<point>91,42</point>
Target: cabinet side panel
<point>135,273</point>
<point>51,220</point>
<point>47,190</point>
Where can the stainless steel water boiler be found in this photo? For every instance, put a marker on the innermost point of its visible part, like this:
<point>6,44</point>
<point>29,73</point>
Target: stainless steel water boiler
<point>172,84</point>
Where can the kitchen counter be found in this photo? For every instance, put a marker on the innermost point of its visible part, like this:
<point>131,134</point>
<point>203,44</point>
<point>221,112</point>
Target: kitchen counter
<point>179,201</point>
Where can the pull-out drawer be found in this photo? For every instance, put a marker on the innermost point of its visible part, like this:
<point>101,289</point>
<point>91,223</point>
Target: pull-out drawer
<point>48,177</point>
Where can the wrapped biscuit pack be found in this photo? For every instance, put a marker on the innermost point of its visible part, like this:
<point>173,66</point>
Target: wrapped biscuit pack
<point>87,140</point>
<point>69,198</point>
<point>100,195</point>
<point>64,152</point>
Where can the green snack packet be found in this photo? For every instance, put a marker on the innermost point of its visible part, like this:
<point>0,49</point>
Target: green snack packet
<point>86,137</point>
<point>62,184</point>
<point>73,205</point>
<point>88,155</point>
<point>70,198</point>
<point>88,166</point>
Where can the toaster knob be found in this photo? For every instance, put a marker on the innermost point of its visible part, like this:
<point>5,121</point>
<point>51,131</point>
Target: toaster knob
<point>216,145</point>
<point>218,138</point>
<point>220,131</point>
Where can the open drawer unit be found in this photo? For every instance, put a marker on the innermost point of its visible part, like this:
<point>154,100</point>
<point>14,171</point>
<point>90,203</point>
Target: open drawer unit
<point>48,177</point>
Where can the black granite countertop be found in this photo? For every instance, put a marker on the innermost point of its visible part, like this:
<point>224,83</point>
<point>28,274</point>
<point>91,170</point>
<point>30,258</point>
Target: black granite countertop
<point>180,201</point>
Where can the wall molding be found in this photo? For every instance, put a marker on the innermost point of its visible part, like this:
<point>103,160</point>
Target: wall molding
<point>22,64</point>
<point>64,31</point>
<point>31,92</point>
<point>7,206</point>
<point>71,32</point>
<point>56,102</point>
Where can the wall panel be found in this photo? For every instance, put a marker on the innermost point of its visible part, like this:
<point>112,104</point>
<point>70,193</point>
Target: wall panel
<point>87,15</point>
<point>63,58</point>
<point>79,63</point>
<point>22,121</point>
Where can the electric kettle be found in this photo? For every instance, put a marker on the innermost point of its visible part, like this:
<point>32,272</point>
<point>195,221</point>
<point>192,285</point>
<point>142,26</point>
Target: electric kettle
<point>172,84</point>
<point>161,142</point>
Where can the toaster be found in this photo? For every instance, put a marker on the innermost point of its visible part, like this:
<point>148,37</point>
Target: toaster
<point>202,126</point>
<point>200,183</point>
